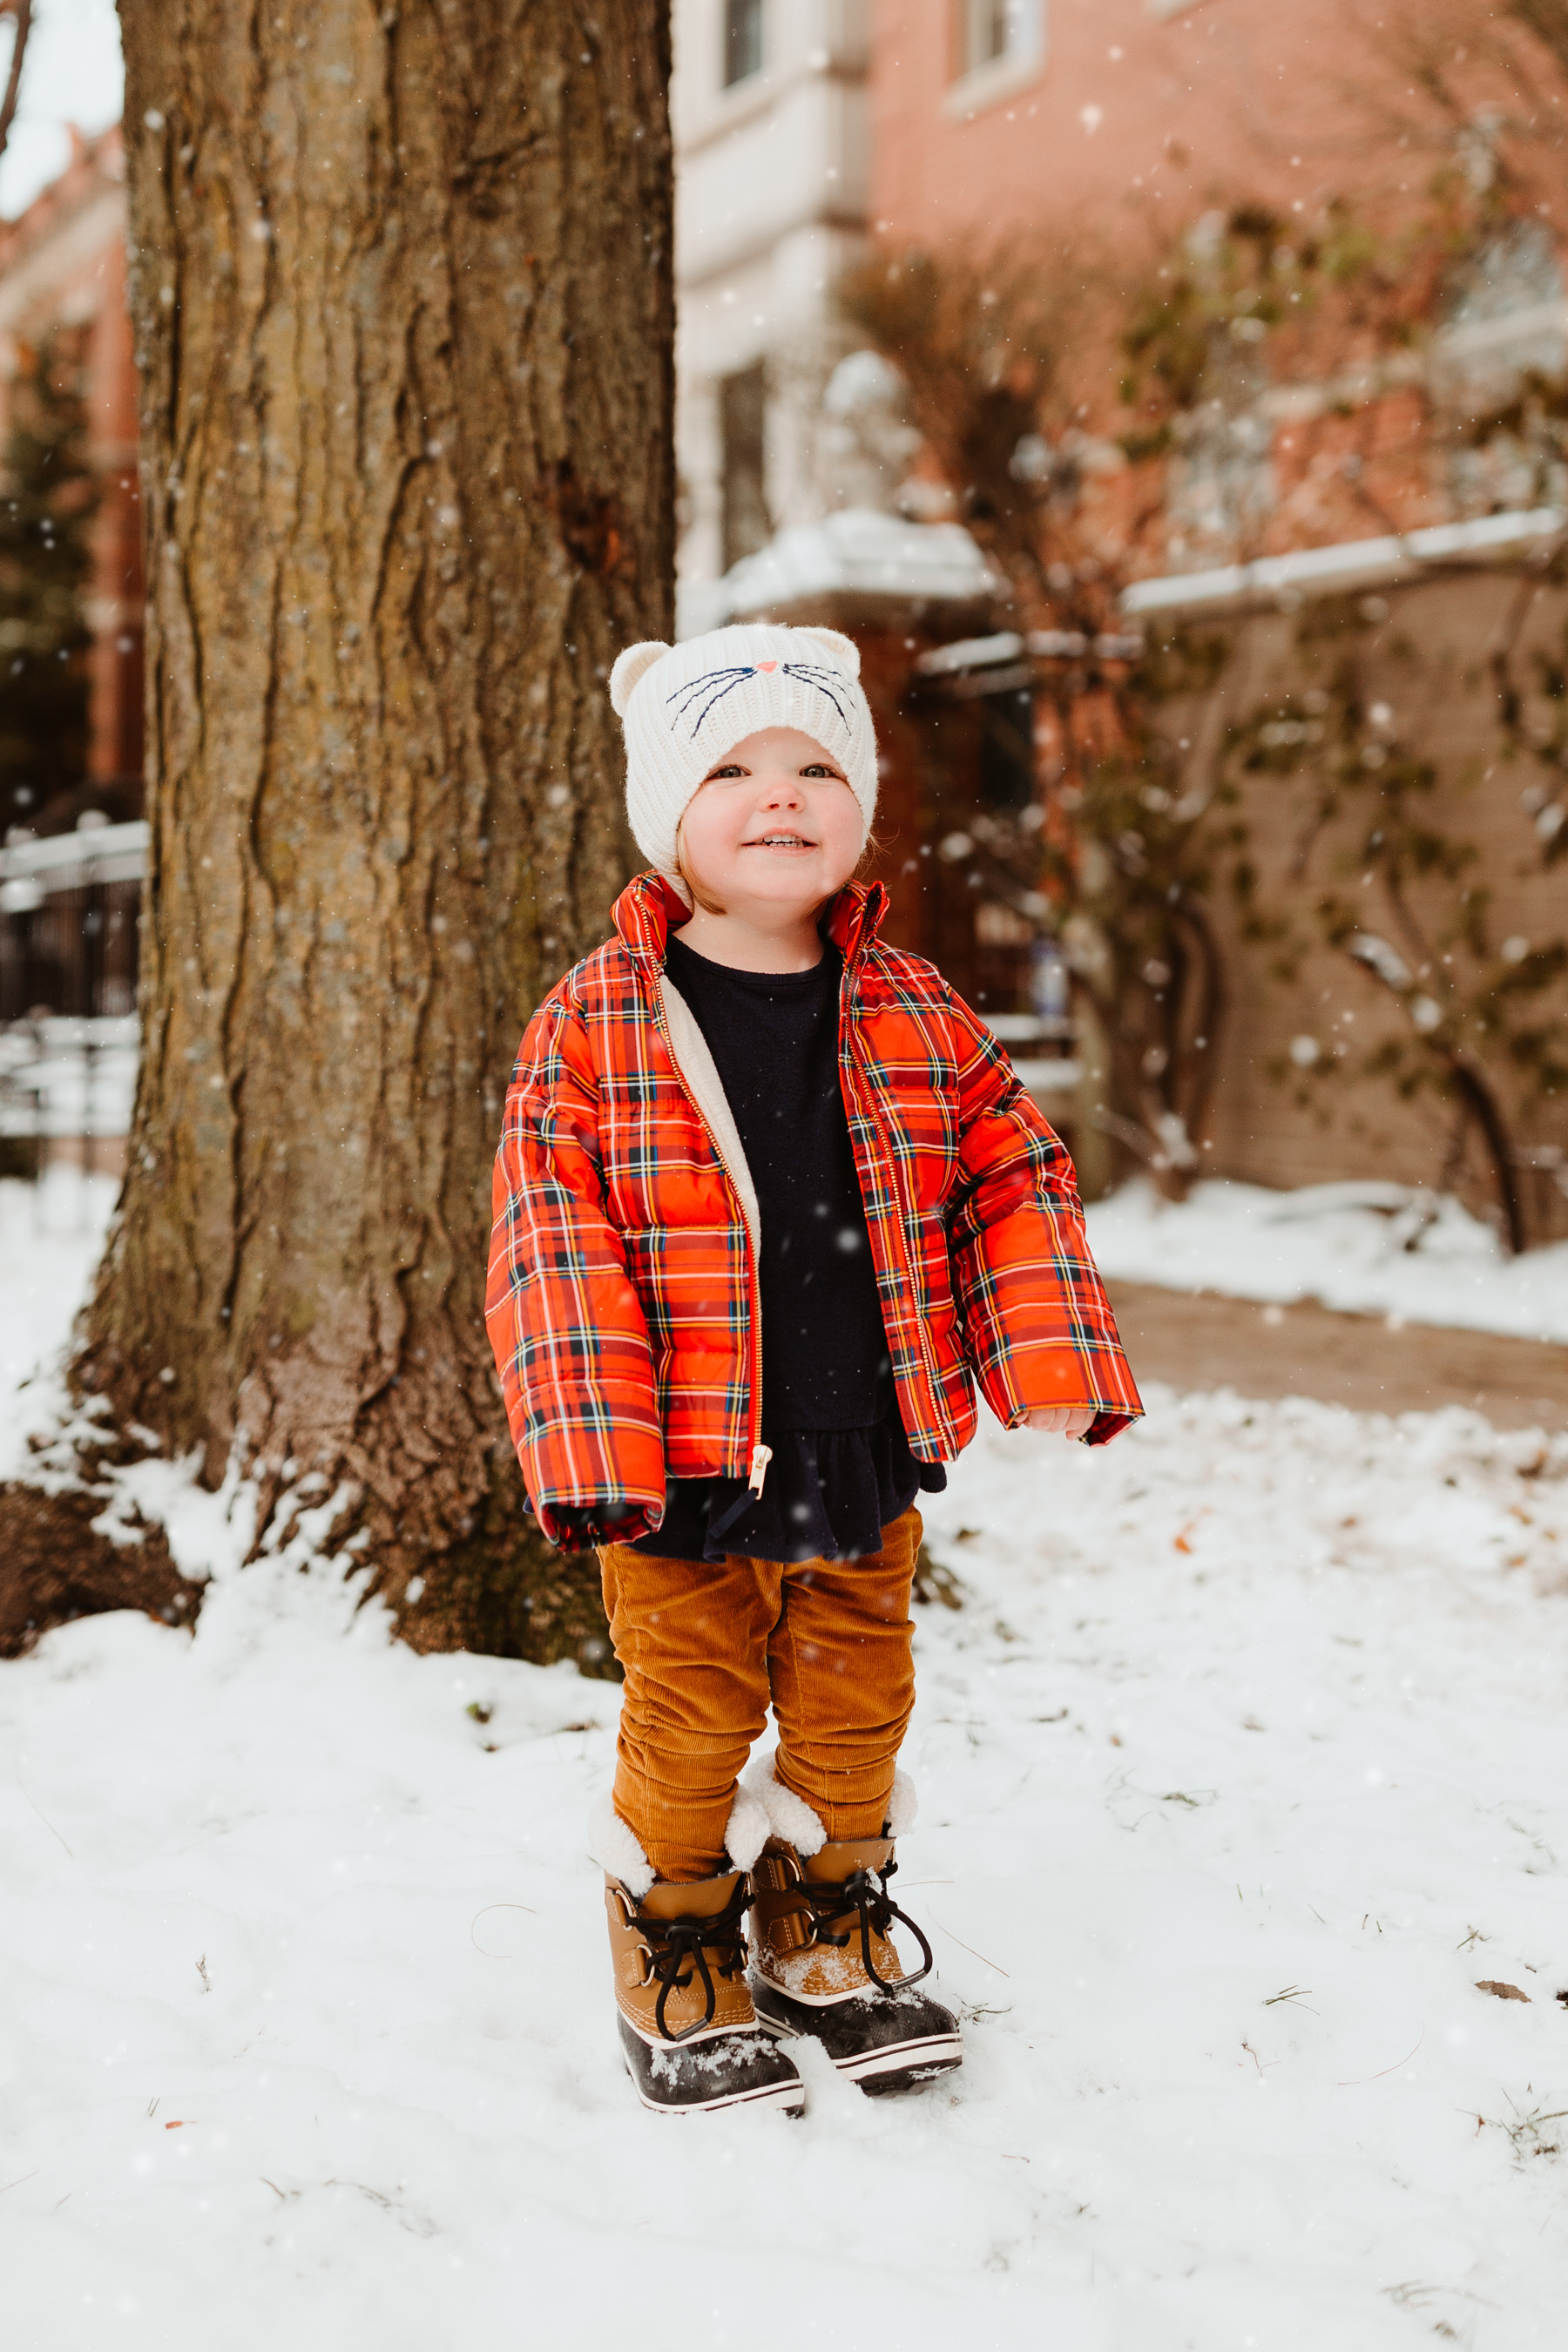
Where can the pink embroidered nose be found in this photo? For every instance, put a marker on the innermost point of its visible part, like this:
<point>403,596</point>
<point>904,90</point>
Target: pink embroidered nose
<point>767,666</point>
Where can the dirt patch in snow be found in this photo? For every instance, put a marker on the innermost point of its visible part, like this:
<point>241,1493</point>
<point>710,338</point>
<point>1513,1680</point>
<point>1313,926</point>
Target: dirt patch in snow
<point>55,1565</point>
<point>1195,1340</point>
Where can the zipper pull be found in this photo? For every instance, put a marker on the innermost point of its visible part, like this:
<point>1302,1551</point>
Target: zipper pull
<point>760,1457</point>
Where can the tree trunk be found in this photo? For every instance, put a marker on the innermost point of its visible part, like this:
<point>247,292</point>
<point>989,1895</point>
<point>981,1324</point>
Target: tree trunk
<point>401,282</point>
<point>1482,1102</point>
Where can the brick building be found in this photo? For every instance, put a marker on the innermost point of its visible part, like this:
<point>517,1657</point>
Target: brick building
<point>68,906</point>
<point>1137,125</point>
<point>768,111</point>
<point>987,115</point>
<point>1130,129</point>
<point>62,267</point>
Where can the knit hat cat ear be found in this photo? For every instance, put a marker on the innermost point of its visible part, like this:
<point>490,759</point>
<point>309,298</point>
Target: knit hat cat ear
<point>629,666</point>
<point>843,649</point>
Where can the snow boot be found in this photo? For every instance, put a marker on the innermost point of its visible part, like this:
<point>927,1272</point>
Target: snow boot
<point>691,2038</point>
<point>827,1965</point>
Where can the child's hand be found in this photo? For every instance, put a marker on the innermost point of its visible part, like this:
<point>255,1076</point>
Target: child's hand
<point>1061,1420</point>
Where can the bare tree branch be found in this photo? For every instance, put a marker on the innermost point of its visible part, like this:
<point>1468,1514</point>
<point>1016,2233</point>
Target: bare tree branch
<point>1423,954</point>
<point>1547,20</point>
<point>21,12</point>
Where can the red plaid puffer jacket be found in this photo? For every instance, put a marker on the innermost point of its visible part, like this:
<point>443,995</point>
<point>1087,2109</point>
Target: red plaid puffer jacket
<point>622,1302</point>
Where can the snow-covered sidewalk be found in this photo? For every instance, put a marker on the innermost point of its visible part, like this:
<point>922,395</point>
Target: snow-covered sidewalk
<point>1364,1248</point>
<point>50,1236</point>
<point>1243,1762</point>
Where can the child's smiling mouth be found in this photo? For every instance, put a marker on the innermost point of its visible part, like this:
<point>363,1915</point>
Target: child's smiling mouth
<point>779,841</point>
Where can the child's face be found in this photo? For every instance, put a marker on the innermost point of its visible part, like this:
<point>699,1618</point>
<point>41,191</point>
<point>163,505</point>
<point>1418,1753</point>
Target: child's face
<point>774,825</point>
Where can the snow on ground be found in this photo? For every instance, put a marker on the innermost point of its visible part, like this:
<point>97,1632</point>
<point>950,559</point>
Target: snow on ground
<point>1245,1760</point>
<point>51,1235</point>
<point>1367,1248</point>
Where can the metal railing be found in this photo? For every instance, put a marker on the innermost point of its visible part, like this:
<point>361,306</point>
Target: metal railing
<point>65,1081</point>
<point>69,905</point>
<point>30,871</point>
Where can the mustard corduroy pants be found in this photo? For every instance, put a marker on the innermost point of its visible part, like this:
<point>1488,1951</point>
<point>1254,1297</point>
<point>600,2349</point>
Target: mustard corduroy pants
<point>707,1645</point>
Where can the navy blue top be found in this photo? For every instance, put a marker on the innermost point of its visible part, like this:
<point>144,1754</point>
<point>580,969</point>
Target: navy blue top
<point>842,1469</point>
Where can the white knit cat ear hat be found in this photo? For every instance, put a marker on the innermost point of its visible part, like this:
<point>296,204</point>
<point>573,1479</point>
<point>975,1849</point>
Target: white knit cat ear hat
<point>682,706</point>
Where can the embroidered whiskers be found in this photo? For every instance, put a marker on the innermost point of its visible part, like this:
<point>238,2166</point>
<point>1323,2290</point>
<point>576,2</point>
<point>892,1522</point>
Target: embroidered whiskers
<point>705,693</point>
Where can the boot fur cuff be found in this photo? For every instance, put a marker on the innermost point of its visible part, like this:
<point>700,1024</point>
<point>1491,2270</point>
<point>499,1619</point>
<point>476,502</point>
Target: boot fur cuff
<point>791,1819</point>
<point>789,1816</point>
<point>748,1829</point>
<point>617,1850</point>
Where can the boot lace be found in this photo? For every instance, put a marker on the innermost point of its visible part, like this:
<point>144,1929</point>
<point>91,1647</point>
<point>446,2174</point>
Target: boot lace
<point>864,1892</point>
<point>672,1943</point>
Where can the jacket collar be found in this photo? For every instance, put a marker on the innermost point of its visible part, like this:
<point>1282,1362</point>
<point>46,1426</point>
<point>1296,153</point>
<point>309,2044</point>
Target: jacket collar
<point>646,913</point>
<point>648,909</point>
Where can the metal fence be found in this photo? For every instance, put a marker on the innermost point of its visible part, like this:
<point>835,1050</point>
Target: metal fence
<point>66,1088</point>
<point>69,907</point>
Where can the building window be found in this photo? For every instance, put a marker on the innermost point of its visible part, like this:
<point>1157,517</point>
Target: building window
<point>992,31</point>
<point>1006,776</point>
<point>742,442</point>
<point>742,40</point>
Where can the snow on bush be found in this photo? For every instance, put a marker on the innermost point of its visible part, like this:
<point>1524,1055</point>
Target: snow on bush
<point>1367,1248</point>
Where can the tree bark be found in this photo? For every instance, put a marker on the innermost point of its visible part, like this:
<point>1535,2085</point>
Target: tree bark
<point>401,282</point>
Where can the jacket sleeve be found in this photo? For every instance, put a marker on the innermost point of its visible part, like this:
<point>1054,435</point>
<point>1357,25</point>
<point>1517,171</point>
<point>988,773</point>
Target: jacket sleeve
<point>1036,1320</point>
<point>569,1338</point>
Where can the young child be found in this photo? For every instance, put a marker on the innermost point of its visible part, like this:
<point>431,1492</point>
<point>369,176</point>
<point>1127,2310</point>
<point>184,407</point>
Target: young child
<point>769,1201</point>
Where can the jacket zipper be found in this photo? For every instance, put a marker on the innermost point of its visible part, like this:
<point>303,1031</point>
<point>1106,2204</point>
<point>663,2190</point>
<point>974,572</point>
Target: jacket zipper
<point>928,1363</point>
<point>759,1455</point>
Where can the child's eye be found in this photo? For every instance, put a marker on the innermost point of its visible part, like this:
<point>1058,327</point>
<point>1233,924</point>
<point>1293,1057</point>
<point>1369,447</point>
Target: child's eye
<point>718,775</point>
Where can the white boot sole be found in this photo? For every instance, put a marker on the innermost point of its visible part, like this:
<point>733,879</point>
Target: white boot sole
<point>923,2060</point>
<point>788,2095</point>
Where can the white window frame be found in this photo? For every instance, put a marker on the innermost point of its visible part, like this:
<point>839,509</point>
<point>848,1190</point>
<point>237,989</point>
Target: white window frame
<point>758,72</point>
<point>1003,77</point>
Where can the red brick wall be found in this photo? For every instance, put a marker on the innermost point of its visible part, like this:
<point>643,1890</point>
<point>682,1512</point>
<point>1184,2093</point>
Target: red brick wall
<point>117,584</point>
<point>62,262</point>
<point>1227,96</point>
<point>1428,657</point>
<point>1134,125</point>
<point>1428,660</point>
